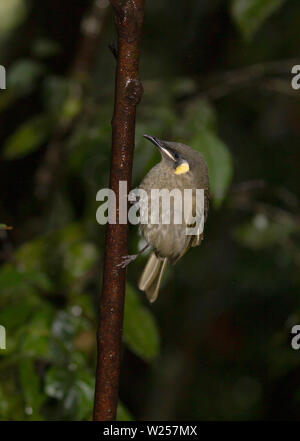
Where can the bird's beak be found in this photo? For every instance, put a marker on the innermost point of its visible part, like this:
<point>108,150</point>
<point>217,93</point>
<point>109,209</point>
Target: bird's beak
<point>161,146</point>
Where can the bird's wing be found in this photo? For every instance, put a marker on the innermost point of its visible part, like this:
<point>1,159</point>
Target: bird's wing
<point>195,240</point>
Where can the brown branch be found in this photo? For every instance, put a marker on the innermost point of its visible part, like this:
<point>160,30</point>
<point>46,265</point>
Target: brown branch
<point>234,80</point>
<point>129,16</point>
<point>91,30</point>
<point>219,85</point>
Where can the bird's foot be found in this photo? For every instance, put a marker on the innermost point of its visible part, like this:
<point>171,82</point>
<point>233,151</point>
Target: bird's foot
<point>127,260</point>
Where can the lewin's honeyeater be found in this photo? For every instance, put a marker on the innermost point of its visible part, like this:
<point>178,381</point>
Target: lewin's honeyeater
<point>181,167</point>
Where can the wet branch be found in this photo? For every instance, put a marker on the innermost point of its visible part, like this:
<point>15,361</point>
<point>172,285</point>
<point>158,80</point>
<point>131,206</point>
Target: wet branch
<point>129,16</point>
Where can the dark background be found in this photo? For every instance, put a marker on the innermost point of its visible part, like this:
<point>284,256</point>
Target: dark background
<point>217,76</point>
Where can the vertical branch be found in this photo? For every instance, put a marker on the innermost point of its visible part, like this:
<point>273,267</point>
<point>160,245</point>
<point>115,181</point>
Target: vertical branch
<point>129,16</point>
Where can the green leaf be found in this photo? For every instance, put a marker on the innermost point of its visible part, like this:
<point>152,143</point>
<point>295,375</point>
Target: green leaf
<point>15,315</point>
<point>11,404</point>
<point>71,108</point>
<point>61,98</point>
<point>73,388</point>
<point>79,257</point>
<point>13,282</point>
<point>218,161</point>
<point>12,14</point>
<point>16,283</point>
<point>123,413</point>
<point>200,115</point>
<point>67,331</point>
<point>27,138</point>
<point>45,48</point>
<point>56,381</point>
<point>62,254</point>
<point>140,330</point>
<point>23,75</point>
<point>55,92</point>
<point>38,280</point>
<point>66,326</point>
<point>30,254</point>
<point>5,227</point>
<point>262,233</point>
<point>35,337</point>
<point>250,14</point>
<point>7,98</point>
<point>31,388</point>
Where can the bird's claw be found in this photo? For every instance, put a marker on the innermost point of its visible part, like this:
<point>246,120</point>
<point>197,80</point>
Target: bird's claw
<point>126,260</point>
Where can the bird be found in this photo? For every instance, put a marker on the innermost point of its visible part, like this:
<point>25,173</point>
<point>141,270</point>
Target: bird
<point>181,167</point>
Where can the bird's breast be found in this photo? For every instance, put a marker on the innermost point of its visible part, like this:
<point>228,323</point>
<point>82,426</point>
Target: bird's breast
<point>163,211</point>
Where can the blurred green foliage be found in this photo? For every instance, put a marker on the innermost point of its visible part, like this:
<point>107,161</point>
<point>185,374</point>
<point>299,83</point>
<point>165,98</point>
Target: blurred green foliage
<point>13,12</point>
<point>58,343</point>
<point>27,138</point>
<point>212,347</point>
<point>250,14</point>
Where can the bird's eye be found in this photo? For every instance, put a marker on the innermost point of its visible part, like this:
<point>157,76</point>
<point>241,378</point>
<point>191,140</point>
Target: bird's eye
<point>176,156</point>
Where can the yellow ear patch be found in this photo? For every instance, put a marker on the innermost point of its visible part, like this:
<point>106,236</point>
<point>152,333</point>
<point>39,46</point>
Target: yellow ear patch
<point>182,168</point>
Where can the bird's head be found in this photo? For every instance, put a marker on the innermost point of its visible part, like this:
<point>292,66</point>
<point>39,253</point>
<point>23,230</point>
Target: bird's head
<point>178,156</point>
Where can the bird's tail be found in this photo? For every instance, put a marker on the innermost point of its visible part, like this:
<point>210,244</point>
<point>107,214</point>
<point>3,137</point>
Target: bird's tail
<point>152,275</point>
